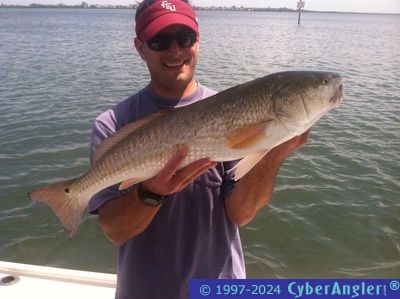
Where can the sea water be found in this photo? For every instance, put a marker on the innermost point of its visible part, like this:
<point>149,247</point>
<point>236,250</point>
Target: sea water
<point>336,207</point>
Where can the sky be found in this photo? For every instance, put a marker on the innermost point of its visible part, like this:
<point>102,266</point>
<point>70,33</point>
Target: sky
<point>377,6</point>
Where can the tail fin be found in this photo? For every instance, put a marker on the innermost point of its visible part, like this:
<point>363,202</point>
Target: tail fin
<point>68,208</point>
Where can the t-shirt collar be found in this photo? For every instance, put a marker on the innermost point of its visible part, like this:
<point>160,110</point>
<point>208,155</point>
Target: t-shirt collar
<point>164,103</point>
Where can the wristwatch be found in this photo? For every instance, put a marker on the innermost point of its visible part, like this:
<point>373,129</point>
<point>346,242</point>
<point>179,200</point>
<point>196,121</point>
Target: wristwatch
<point>148,198</point>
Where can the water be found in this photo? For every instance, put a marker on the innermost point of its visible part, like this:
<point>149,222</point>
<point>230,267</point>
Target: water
<point>336,208</point>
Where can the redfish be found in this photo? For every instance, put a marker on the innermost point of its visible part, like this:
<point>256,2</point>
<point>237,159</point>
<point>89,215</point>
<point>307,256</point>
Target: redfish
<point>242,122</point>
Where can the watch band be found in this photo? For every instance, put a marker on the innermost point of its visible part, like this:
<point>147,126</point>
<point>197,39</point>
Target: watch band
<point>148,198</point>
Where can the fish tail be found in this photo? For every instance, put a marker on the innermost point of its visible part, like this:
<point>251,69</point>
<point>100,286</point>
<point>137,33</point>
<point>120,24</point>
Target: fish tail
<point>68,208</point>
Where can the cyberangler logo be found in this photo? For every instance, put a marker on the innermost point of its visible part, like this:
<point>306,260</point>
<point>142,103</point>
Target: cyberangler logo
<point>168,5</point>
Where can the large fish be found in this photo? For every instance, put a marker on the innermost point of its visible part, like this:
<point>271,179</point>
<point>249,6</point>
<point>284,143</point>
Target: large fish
<point>245,121</point>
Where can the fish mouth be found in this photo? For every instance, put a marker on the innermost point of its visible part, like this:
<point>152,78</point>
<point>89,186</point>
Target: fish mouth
<point>336,100</point>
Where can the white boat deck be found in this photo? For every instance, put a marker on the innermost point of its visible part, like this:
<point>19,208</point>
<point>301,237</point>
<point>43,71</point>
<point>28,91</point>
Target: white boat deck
<point>19,281</point>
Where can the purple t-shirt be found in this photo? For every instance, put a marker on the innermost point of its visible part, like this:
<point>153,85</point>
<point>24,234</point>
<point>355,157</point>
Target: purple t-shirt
<point>190,236</point>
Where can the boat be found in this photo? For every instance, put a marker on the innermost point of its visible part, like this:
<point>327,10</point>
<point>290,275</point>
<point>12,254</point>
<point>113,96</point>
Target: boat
<point>19,281</point>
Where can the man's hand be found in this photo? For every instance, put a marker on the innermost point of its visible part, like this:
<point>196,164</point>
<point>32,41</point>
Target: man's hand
<point>281,151</point>
<point>171,180</point>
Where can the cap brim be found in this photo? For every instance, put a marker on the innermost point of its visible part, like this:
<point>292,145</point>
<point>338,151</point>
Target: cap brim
<point>166,20</point>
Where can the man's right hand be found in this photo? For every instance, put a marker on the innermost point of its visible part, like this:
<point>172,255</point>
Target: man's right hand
<point>171,179</point>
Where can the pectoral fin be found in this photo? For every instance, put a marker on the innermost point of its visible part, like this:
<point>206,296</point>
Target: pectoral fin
<point>247,163</point>
<point>247,137</point>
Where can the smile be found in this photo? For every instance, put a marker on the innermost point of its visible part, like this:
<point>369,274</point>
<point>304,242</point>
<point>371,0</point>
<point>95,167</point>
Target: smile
<point>175,64</point>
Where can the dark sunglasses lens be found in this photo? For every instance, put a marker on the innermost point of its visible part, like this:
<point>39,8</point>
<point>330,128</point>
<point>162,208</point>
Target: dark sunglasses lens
<point>160,43</point>
<point>186,40</point>
<point>163,42</point>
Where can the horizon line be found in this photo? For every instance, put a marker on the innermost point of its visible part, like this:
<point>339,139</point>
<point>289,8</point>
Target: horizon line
<point>84,5</point>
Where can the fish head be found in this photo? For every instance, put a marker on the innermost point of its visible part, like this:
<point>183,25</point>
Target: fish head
<point>301,98</point>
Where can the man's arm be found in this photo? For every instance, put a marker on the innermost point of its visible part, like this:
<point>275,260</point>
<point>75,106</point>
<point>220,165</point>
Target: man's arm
<point>125,217</point>
<point>254,190</point>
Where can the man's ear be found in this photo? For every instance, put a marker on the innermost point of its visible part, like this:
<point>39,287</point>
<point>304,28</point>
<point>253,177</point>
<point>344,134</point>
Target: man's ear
<point>139,47</point>
<point>198,41</point>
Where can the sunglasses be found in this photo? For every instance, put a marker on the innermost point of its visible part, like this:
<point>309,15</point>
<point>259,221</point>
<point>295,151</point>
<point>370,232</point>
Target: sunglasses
<point>162,42</point>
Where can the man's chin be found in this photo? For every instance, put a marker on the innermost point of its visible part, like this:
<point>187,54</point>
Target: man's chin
<point>182,79</point>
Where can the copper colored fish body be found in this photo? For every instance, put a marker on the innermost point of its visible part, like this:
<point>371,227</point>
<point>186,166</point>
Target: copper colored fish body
<point>245,121</point>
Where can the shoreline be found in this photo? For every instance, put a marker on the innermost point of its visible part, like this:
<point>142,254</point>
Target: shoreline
<point>197,8</point>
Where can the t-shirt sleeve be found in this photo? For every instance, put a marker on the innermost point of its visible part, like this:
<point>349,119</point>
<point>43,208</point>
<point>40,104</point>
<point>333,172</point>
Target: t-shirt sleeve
<point>100,131</point>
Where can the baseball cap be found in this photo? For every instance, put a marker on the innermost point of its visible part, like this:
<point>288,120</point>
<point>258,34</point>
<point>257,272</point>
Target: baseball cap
<point>162,14</point>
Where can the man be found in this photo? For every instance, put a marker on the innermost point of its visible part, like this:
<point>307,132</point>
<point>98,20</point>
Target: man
<point>180,224</point>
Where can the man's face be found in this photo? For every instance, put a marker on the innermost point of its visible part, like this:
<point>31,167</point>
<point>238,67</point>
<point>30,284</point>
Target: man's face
<point>174,67</point>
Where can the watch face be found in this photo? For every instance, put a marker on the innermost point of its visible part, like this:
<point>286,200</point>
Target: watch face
<point>148,198</point>
<point>150,201</point>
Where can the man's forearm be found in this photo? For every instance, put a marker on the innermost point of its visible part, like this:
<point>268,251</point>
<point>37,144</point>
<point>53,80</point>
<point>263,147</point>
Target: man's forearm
<point>254,191</point>
<point>125,217</point>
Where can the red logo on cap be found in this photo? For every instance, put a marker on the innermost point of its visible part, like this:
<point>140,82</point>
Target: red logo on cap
<point>168,5</point>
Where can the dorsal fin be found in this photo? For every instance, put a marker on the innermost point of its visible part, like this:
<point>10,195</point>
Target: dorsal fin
<point>109,142</point>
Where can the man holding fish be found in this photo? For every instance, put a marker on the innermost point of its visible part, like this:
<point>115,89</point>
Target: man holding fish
<point>183,224</point>
<point>176,214</point>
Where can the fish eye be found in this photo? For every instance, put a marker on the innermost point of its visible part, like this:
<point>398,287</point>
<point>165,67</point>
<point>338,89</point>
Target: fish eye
<point>324,81</point>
